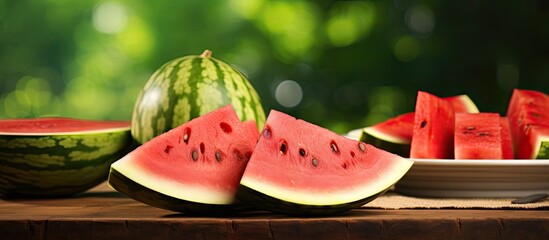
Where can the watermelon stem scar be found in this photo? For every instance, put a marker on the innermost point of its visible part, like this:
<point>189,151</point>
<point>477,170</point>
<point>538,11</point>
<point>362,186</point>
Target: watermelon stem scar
<point>206,54</point>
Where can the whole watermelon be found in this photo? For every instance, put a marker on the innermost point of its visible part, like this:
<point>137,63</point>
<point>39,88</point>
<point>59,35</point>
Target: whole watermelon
<point>189,87</point>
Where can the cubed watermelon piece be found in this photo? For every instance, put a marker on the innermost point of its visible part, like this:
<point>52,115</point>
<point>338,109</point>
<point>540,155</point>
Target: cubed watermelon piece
<point>528,115</point>
<point>477,136</point>
<point>433,133</point>
<point>506,142</point>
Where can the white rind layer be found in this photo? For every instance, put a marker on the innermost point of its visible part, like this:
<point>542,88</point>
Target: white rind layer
<point>345,195</point>
<point>187,192</point>
<point>380,135</point>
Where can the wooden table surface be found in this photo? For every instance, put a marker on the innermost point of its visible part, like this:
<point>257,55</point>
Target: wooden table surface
<point>105,214</point>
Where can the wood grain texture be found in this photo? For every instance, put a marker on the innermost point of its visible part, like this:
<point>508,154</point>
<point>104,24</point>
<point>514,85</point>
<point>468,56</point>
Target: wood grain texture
<point>105,214</point>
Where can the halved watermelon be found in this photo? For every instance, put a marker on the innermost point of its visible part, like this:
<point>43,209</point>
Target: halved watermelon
<point>433,136</point>
<point>194,168</point>
<point>528,115</point>
<point>395,134</point>
<point>477,136</point>
<point>298,168</point>
<point>57,156</point>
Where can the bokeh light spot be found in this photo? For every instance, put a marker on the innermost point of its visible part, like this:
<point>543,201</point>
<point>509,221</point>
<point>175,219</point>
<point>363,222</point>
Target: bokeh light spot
<point>110,17</point>
<point>406,49</point>
<point>288,93</point>
<point>247,9</point>
<point>420,19</point>
<point>291,26</point>
<point>349,21</point>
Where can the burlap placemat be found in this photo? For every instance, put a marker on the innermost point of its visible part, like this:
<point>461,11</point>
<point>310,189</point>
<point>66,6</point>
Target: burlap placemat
<point>393,200</point>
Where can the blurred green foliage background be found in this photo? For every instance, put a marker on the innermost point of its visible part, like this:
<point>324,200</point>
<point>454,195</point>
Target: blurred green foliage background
<point>339,64</point>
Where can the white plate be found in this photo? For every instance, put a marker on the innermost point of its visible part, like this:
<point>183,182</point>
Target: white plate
<point>475,178</point>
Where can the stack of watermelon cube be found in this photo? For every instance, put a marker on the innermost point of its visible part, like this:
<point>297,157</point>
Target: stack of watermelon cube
<point>440,130</point>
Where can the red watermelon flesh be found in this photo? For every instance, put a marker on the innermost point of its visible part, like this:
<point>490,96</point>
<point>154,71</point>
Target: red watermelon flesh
<point>299,164</point>
<point>506,142</point>
<point>528,110</point>
<point>401,127</point>
<point>462,103</point>
<point>398,129</point>
<point>477,136</point>
<point>395,134</point>
<point>199,162</point>
<point>433,133</point>
<point>57,126</point>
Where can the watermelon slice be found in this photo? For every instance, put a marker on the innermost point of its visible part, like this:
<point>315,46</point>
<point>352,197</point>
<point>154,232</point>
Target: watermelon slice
<point>477,136</point>
<point>528,115</point>
<point>194,168</point>
<point>298,168</point>
<point>506,142</point>
<point>462,103</point>
<point>433,133</point>
<point>395,134</point>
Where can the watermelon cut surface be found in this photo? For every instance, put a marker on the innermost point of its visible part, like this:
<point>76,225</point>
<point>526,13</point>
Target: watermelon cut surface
<point>478,136</point>
<point>528,115</point>
<point>298,168</point>
<point>194,168</point>
<point>433,133</point>
<point>507,151</point>
<point>395,134</point>
<point>56,157</point>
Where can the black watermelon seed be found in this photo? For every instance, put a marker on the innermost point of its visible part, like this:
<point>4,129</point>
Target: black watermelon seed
<point>302,152</point>
<point>314,162</point>
<point>362,147</point>
<point>194,155</point>
<point>423,124</point>
<point>283,147</point>
<point>483,134</point>
<point>267,132</point>
<point>186,135</point>
<point>218,156</point>
<point>334,147</point>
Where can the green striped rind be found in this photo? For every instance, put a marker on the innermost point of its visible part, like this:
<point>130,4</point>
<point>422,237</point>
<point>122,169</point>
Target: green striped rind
<point>127,186</point>
<point>59,165</point>
<point>264,201</point>
<point>542,150</point>
<point>188,87</point>
<point>401,148</point>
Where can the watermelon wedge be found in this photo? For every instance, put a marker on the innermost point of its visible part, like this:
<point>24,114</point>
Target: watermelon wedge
<point>528,115</point>
<point>433,133</point>
<point>298,168</point>
<point>478,136</point>
<point>194,168</point>
<point>395,134</point>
